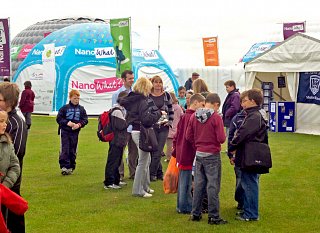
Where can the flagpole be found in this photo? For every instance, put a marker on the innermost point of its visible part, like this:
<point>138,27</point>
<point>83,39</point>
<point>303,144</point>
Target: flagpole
<point>158,37</point>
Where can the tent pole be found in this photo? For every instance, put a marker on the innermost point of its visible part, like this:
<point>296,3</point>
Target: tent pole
<point>158,37</point>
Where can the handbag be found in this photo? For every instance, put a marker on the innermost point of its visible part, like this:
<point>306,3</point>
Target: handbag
<point>148,140</point>
<point>257,157</point>
<point>171,177</point>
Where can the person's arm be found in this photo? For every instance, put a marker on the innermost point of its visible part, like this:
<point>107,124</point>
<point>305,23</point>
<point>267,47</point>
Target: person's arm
<point>61,120</point>
<point>22,99</point>
<point>84,117</point>
<point>119,122</point>
<point>234,106</point>
<point>221,136</point>
<point>148,117</point>
<point>189,135</point>
<point>13,171</point>
<point>170,110</point>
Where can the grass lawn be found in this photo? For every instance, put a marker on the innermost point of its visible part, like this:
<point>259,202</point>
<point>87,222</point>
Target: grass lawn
<point>289,195</point>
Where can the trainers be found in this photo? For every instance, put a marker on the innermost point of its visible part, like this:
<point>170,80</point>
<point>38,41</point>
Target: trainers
<point>122,183</point>
<point>240,213</point>
<point>146,195</point>
<point>112,186</point>
<point>153,178</point>
<point>214,221</point>
<point>150,191</point>
<point>241,218</point>
<point>69,171</point>
<point>64,171</point>
<point>195,218</point>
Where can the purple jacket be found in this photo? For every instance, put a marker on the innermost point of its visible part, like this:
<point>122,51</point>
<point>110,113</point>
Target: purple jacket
<point>231,107</point>
<point>27,100</point>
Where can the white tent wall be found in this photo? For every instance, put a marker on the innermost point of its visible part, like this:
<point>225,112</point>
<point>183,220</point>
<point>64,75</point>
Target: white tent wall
<point>299,53</point>
<point>214,77</point>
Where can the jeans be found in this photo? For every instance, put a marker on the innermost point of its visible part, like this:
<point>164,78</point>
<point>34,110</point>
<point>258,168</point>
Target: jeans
<point>132,157</point>
<point>250,185</point>
<point>238,194</point>
<point>207,176</point>
<point>184,197</point>
<point>112,175</point>
<point>142,178</point>
<point>155,166</point>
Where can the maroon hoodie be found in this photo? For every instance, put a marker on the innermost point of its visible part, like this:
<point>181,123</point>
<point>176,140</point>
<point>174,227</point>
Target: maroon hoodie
<point>27,100</point>
<point>205,131</point>
<point>183,150</point>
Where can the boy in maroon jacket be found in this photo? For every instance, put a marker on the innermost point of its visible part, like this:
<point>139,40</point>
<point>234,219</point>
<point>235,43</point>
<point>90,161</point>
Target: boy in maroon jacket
<point>206,132</point>
<point>185,153</point>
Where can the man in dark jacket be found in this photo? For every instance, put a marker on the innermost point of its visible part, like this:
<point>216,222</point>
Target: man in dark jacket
<point>71,118</point>
<point>188,84</point>
<point>231,104</point>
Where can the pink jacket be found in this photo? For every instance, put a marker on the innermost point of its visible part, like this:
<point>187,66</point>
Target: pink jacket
<point>177,114</point>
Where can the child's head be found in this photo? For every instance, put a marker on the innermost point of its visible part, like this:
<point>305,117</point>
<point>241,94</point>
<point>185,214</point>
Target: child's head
<point>182,92</point>
<point>213,101</point>
<point>3,121</point>
<point>74,96</point>
<point>251,98</point>
<point>188,96</point>
<point>27,84</point>
<point>9,96</point>
<point>174,98</point>
<point>121,95</point>
<point>196,101</point>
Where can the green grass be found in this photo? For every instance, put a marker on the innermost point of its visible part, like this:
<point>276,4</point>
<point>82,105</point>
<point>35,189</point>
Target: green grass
<point>289,195</point>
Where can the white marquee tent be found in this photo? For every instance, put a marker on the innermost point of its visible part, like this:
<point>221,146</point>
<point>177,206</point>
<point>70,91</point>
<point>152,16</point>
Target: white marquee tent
<point>299,53</point>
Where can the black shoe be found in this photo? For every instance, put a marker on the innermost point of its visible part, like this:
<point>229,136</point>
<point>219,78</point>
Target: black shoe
<point>195,218</point>
<point>153,178</point>
<point>240,213</point>
<point>214,221</point>
<point>239,207</point>
<point>160,178</point>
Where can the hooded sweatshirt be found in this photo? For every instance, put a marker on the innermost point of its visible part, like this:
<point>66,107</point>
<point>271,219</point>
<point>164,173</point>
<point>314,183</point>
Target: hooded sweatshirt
<point>205,131</point>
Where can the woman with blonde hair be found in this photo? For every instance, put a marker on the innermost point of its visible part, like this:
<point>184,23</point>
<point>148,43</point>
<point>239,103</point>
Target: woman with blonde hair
<point>159,99</point>
<point>200,86</point>
<point>138,113</point>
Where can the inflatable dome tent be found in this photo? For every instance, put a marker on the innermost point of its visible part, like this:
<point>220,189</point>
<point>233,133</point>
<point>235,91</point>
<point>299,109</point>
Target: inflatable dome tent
<point>80,63</point>
<point>29,37</point>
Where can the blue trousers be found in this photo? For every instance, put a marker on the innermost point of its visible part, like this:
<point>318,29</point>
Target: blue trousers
<point>250,185</point>
<point>68,149</point>
<point>184,197</point>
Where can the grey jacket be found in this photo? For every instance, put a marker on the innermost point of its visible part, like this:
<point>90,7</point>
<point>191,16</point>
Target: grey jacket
<point>9,163</point>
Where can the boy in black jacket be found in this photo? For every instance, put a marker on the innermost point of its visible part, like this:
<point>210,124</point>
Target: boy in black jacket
<point>119,128</point>
<point>71,118</point>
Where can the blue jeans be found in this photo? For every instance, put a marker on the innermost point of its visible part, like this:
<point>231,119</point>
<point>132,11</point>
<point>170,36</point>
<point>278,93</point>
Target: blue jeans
<point>207,176</point>
<point>250,185</point>
<point>184,197</point>
<point>238,194</point>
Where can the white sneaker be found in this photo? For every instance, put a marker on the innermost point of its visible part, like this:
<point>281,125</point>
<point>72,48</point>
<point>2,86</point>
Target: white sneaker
<point>112,186</point>
<point>150,191</point>
<point>122,183</point>
<point>69,171</point>
<point>64,171</point>
<point>146,195</point>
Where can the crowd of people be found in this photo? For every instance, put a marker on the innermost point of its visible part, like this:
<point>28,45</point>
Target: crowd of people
<point>190,125</point>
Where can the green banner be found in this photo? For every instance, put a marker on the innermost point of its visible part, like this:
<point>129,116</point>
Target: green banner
<point>15,50</point>
<point>120,32</point>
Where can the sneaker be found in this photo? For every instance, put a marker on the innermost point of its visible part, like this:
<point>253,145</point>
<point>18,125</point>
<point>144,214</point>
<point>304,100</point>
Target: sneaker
<point>150,191</point>
<point>167,160</point>
<point>195,218</point>
<point>240,213</point>
<point>241,218</point>
<point>112,186</point>
<point>153,178</point>
<point>214,221</point>
<point>64,171</point>
<point>69,171</point>
<point>146,195</point>
<point>122,183</point>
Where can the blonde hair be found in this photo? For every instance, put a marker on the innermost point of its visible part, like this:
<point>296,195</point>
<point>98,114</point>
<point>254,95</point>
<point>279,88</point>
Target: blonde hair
<point>5,114</point>
<point>199,86</point>
<point>142,86</point>
<point>74,92</point>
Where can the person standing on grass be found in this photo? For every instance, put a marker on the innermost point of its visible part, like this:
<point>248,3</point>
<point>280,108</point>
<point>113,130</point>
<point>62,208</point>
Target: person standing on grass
<point>159,99</point>
<point>127,79</point>
<point>253,128</point>
<point>119,128</point>
<point>71,118</point>
<point>138,112</point>
<point>17,129</point>
<point>177,114</point>
<point>206,133</point>
<point>26,103</point>
<point>185,153</point>
<point>231,105</point>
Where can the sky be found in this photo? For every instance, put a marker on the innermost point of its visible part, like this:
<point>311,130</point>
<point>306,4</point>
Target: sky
<point>183,24</point>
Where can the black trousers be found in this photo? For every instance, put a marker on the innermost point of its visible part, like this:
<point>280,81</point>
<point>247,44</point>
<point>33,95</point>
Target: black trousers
<point>112,175</point>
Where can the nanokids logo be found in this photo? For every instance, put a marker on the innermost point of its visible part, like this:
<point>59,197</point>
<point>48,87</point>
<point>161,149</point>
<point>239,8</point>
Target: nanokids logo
<point>101,85</point>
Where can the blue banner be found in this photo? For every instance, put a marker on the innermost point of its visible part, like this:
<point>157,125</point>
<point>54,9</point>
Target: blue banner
<point>257,49</point>
<point>308,92</point>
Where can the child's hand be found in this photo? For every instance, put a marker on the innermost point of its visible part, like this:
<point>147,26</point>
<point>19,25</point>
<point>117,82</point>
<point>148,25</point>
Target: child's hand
<point>75,126</point>
<point>70,124</point>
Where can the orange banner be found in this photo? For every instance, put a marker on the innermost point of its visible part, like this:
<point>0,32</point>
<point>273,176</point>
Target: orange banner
<point>210,49</point>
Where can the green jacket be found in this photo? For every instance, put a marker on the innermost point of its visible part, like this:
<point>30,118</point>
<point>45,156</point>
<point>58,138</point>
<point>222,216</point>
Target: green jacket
<point>9,163</point>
